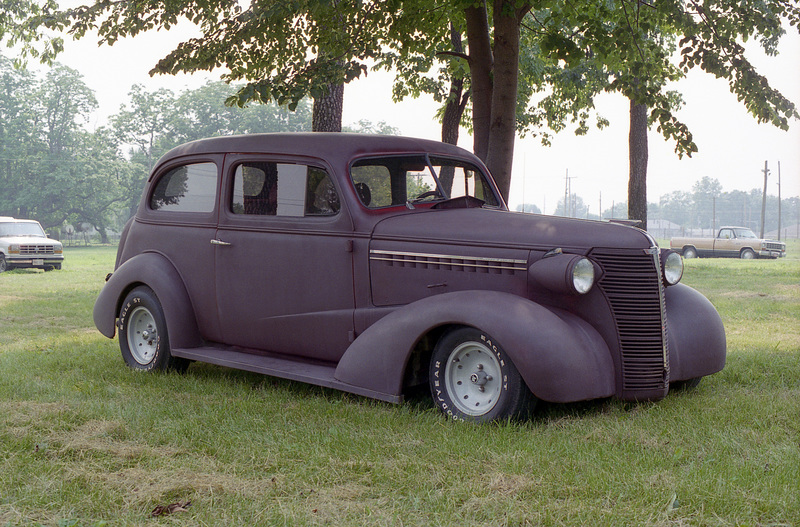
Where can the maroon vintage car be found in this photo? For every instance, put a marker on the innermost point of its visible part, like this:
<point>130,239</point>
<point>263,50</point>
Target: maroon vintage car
<point>373,264</point>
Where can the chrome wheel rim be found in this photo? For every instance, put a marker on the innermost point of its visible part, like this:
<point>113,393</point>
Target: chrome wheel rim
<point>142,335</point>
<point>473,378</point>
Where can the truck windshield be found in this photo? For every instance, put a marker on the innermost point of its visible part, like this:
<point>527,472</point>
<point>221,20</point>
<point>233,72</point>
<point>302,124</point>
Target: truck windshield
<point>745,233</point>
<point>21,229</point>
<point>409,179</point>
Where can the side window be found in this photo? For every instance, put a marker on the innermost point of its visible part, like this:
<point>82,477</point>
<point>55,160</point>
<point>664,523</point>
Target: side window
<point>726,234</point>
<point>373,183</point>
<point>283,189</point>
<point>188,188</point>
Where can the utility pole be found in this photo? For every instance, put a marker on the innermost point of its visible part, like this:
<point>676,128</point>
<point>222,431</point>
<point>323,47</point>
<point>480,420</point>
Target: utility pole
<point>714,213</point>
<point>764,199</point>
<point>779,200</point>
<point>601,205</point>
<point>568,207</point>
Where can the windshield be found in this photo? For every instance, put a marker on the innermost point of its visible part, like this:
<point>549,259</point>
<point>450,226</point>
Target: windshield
<point>21,229</point>
<point>745,233</point>
<point>410,179</point>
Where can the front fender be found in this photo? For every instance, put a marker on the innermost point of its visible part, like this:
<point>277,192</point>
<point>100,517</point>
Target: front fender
<point>695,334</point>
<point>158,273</point>
<point>560,356</point>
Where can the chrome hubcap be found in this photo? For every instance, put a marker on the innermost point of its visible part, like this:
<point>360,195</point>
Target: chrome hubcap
<point>473,378</point>
<point>142,335</point>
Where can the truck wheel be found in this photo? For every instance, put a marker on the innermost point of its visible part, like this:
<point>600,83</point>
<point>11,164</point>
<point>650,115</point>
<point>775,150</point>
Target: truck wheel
<point>747,254</point>
<point>472,379</point>
<point>143,337</point>
<point>689,252</point>
<point>3,264</point>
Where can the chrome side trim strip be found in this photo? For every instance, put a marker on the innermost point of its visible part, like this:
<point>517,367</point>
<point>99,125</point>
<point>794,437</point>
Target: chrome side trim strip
<point>506,264</point>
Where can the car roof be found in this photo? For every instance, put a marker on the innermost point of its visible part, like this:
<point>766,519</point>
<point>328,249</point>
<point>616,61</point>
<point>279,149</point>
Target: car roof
<point>335,147</point>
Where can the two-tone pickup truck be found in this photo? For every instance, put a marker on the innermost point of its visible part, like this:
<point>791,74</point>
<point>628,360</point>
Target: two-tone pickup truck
<point>731,242</point>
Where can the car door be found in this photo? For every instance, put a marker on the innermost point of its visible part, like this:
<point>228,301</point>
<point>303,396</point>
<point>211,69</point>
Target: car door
<point>284,270</point>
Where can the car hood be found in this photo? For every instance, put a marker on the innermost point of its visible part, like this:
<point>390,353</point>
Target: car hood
<point>27,240</point>
<point>490,227</point>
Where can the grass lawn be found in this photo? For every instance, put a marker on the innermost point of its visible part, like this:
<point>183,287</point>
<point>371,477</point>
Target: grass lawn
<point>84,441</point>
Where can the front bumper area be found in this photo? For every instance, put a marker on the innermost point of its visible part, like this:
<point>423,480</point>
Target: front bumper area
<point>28,262</point>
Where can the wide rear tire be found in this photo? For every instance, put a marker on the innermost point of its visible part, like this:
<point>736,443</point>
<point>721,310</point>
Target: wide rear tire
<point>143,336</point>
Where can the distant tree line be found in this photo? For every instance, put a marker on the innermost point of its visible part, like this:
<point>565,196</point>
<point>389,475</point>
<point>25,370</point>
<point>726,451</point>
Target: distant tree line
<point>706,206</point>
<point>55,168</point>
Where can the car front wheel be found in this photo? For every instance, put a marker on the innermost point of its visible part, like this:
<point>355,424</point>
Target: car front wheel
<point>143,337</point>
<point>747,254</point>
<point>472,379</point>
<point>3,264</point>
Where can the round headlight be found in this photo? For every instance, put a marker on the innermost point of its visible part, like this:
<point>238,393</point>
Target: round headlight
<point>672,268</point>
<point>583,276</point>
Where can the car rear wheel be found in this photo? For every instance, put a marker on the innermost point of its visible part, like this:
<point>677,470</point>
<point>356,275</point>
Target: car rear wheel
<point>472,379</point>
<point>689,252</point>
<point>747,254</point>
<point>143,337</point>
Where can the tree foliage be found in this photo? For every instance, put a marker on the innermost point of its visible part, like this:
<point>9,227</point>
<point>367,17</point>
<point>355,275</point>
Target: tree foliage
<point>54,169</point>
<point>528,65</point>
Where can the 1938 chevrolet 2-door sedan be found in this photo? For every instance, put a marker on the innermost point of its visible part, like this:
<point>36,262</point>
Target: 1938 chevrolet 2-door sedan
<point>372,264</point>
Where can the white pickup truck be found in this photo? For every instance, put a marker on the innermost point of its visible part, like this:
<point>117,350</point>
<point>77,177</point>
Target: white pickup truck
<point>24,244</point>
<point>731,242</point>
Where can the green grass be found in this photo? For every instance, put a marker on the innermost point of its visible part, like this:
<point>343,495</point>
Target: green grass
<point>85,441</point>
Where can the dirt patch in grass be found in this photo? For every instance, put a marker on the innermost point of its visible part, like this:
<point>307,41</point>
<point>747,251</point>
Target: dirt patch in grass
<point>21,413</point>
<point>783,293</point>
<point>511,484</point>
<point>104,437</point>
<point>146,488</point>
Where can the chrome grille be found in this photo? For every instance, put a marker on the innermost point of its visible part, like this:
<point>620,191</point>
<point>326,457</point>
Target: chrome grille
<point>773,246</point>
<point>632,284</point>
<point>35,249</point>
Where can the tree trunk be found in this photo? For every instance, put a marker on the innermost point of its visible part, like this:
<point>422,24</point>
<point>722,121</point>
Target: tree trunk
<point>480,69</point>
<point>327,112</point>
<point>453,111</point>
<point>503,126</point>
<point>637,155</point>
<point>456,100</point>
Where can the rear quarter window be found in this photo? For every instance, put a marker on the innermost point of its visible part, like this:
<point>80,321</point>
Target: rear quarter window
<point>266,188</point>
<point>187,188</point>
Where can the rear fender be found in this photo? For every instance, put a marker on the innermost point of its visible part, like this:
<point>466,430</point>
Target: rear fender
<point>560,356</point>
<point>157,273</point>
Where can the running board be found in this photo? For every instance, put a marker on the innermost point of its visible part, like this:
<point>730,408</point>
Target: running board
<point>274,366</point>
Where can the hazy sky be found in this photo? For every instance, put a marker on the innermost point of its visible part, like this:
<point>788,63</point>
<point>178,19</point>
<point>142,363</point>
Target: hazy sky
<point>732,146</point>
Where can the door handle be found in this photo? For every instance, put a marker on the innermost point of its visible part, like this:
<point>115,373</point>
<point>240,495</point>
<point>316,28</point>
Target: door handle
<point>219,242</point>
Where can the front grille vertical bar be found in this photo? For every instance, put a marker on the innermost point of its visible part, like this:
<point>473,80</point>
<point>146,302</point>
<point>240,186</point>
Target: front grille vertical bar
<point>632,285</point>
